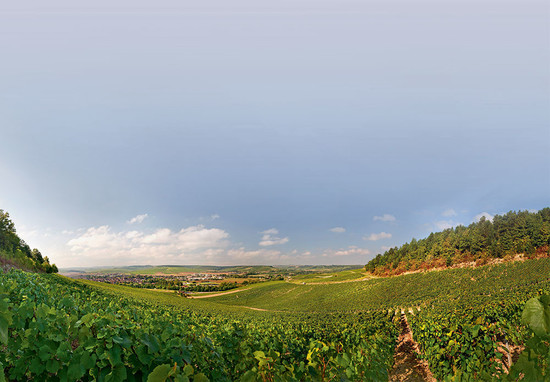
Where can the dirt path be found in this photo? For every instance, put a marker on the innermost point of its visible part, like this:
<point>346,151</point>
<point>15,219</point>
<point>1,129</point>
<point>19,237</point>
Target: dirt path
<point>252,308</point>
<point>217,294</point>
<point>407,366</point>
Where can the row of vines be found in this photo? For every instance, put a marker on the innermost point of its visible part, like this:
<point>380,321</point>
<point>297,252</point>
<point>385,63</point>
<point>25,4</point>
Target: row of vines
<point>482,327</point>
<point>54,329</point>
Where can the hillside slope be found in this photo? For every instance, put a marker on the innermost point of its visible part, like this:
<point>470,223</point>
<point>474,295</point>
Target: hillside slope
<point>467,322</point>
<point>484,285</point>
<point>523,232</point>
<point>14,252</point>
<point>55,328</point>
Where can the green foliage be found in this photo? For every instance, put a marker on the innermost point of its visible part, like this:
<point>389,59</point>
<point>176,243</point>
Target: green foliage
<point>536,315</point>
<point>506,235</point>
<point>534,362</point>
<point>464,313</point>
<point>461,332</point>
<point>324,277</point>
<point>63,330</point>
<point>5,318</point>
<point>53,328</point>
<point>15,252</point>
<point>167,372</point>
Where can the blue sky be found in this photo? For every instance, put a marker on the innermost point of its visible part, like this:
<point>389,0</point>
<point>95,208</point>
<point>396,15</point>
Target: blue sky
<point>255,132</point>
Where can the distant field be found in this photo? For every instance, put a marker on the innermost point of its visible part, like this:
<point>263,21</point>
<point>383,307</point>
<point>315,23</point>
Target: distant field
<point>419,289</point>
<point>325,277</point>
<point>483,285</point>
<point>177,269</point>
<point>430,288</point>
<point>466,313</point>
<point>171,270</point>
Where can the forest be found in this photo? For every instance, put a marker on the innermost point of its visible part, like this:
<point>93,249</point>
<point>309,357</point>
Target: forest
<point>505,236</point>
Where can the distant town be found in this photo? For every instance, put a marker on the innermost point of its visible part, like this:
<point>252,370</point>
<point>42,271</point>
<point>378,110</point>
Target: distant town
<point>193,282</point>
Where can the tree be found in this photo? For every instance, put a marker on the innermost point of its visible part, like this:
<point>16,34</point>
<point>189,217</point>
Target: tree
<point>37,256</point>
<point>19,252</point>
<point>6,225</point>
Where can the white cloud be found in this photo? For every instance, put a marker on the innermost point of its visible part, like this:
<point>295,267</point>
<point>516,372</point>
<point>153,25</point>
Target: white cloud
<point>214,217</point>
<point>137,219</point>
<point>133,235</point>
<point>449,212</point>
<point>160,236</point>
<point>269,238</point>
<point>101,245</point>
<point>487,216</point>
<point>351,250</point>
<point>94,238</point>
<point>384,218</point>
<point>338,230</point>
<point>377,236</point>
<point>198,244</point>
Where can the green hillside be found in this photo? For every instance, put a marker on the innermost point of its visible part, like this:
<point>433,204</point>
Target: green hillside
<point>526,233</point>
<point>330,277</point>
<point>57,328</point>
<point>481,285</point>
<point>14,252</point>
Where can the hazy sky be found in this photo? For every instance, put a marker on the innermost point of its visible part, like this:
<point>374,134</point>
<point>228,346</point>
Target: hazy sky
<point>255,132</point>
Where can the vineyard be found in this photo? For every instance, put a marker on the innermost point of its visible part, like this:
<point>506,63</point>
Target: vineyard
<point>61,330</point>
<point>468,324</point>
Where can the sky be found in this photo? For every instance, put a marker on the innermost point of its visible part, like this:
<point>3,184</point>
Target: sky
<point>267,132</point>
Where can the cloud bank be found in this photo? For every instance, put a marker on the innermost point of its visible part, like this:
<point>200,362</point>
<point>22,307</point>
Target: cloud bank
<point>196,244</point>
<point>188,245</point>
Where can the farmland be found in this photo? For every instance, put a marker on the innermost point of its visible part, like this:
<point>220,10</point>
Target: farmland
<point>87,330</point>
<point>188,279</point>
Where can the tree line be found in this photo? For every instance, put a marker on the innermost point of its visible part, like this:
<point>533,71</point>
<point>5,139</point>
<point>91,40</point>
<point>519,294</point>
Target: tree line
<point>15,252</point>
<point>503,237</point>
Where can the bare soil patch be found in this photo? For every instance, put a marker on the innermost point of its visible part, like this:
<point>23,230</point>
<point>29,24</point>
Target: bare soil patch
<point>407,366</point>
<point>510,355</point>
